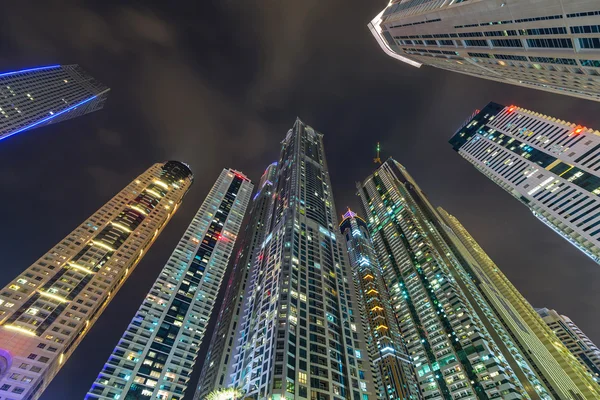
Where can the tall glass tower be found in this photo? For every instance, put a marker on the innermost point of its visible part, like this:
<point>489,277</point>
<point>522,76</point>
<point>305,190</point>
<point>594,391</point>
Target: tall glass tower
<point>302,335</point>
<point>575,340</point>
<point>35,97</point>
<point>537,343</point>
<point>462,342</point>
<point>156,354</point>
<point>216,368</point>
<point>393,371</point>
<point>47,310</point>
<point>548,45</point>
<point>549,165</point>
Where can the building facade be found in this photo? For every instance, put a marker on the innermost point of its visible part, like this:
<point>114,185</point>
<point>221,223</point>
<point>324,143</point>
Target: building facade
<point>575,340</point>
<point>458,344</point>
<point>156,354</point>
<point>393,371</point>
<point>47,310</point>
<point>549,165</point>
<point>302,336</point>
<point>217,363</point>
<point>550,45</point>
<point>36,97</point>
<point>538,345</point>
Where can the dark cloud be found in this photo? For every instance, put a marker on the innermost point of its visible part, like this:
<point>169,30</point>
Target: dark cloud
<point>218,84</point>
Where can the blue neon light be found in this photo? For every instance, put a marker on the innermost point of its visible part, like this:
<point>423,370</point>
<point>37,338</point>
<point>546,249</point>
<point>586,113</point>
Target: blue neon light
<point>48,118</point>
<point>28,70</point>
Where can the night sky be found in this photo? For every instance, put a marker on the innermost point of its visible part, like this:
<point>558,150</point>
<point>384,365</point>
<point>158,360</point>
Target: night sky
<point>218,84</point>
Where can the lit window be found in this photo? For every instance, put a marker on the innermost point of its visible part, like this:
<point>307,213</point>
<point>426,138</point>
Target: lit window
<point>301,377</point>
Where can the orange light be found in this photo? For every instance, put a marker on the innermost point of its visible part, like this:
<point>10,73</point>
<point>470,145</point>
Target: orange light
<point>578,129</point>
<point>368,276</point>
<point>511,108</point>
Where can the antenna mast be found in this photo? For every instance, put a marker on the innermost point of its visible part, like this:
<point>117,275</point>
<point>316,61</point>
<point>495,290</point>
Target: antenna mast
<point>377,160</point>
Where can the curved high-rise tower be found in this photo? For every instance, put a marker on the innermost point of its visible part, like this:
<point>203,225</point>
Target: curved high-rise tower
<point>393,370</point>
<point>47,310</point>
<point>157,352</point>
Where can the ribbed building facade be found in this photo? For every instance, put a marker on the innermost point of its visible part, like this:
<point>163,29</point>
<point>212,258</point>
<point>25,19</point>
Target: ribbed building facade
<point>217,363</point>
<point>550,45</point>
<point>302,335</point>
<point>458,344</point>
<point>157,352</point>
<point>575,340</point>
<point>35,97</point>
<point>538,346</point>
<point>549,165</point>
<point>47,310</point>
<point>393,371</point>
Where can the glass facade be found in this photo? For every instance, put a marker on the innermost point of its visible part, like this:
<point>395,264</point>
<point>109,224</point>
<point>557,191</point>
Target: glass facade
<point>538,345</point>
<point>457,341</point>
<point>47,310</point>
<point>484,39</point>
<point>216,370</point>
<point>575,341</point>
<point>301,336</point>
<point>393,371</point>
<point>156,354</point>
<point>36,97</point>
<point>551,166</point>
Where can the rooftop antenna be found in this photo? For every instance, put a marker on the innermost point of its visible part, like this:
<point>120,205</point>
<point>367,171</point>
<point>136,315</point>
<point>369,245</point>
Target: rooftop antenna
<point>377,160</point>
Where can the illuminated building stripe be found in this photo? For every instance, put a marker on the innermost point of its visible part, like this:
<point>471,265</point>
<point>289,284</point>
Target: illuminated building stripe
<point>104,246</point>
<point>153,192</point>
<point>136,208</point>
<point>81,268</point>
<point>2,75</point>
<point>19,329</point>
<point>53,296</point>
<point>120,226</point>
<point>48,118</point>
<point>161,184</point>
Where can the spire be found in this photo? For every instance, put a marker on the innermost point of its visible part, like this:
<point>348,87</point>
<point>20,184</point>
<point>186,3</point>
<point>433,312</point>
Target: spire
<point>349,214</point>
<point>377,160</point>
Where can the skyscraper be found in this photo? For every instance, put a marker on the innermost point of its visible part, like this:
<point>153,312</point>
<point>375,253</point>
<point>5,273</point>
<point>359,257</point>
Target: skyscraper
<point>460,343</point>
<point>156,354</point>
<point>541,44</point>
<point>47,310</point>
<point>216,369</point>
<point>575,340</point>
<point>393,371</point>
<point>35,97</point>
<point>302,335</point>
<point>549,165</point>
<point>536,342</point>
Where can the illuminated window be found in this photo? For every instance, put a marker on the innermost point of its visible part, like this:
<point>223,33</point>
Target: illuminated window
<point>301,377</point>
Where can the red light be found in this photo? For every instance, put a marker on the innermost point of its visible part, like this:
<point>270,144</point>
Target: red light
<point>241,176</point>
<point>578,129</point>
<point>511,109</point>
